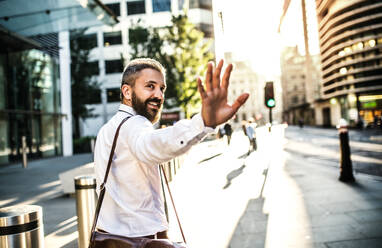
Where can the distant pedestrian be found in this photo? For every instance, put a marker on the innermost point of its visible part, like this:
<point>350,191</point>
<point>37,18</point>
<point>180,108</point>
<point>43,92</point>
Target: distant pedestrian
<point>301,123</point>
<point>376,119</point>
<point>228,131</point>
<point>251,133</point>
<point>244,127</point>
<point>221,132</point>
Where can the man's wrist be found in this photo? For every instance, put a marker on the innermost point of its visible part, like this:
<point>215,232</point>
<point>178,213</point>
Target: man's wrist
<point>199,124</point>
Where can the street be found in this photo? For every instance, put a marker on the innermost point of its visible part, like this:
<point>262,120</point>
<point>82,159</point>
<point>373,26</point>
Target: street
<point>285,194</point>
<point>273,198</point>
<point>318,144</point>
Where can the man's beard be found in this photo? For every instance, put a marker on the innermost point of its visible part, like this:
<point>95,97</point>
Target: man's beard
<point>142,108</point>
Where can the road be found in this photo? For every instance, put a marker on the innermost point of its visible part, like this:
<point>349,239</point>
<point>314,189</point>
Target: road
<point>313,144</point>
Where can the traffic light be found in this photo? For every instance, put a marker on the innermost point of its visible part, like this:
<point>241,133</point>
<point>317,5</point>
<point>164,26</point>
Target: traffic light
<point>269,95</point>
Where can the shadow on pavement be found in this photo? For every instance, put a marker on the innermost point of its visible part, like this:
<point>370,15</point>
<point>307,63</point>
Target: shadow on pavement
<point>251,229</point>
<point>209,158</point>
<point>232,175</point>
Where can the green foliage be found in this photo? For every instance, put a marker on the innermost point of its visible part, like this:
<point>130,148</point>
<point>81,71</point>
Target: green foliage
<point>184,54</point>
<point>83,87</point>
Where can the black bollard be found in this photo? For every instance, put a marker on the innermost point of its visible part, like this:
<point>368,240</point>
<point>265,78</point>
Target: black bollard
<point>346,168</point>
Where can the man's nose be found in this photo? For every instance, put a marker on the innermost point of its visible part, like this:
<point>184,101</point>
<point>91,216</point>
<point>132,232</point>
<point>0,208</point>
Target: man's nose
<point>159,94</point>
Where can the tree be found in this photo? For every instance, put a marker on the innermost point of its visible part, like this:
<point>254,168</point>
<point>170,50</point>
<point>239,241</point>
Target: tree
<point>84,87</point>
<point>182,51</point>
<point>190,56</point>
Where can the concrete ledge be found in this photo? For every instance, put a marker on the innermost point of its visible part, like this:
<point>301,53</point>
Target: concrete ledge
<point>67,177</point>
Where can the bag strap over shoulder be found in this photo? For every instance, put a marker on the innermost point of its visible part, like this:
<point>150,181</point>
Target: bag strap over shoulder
<point>103,189</point>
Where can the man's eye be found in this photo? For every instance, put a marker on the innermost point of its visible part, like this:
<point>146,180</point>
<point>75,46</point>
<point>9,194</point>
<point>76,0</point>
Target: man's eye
<point>151,86</point>
<point>163,89</point>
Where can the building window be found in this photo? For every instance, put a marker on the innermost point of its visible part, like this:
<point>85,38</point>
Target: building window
<point>115,8</point>
<point>207,29</point>
<point>29,92</point>
<point>135,7</point>
<point>113,95</point>
<point>112,38</point>
<point>180,4</point>
<point>114,66</point>
<point>94,96</point>
<point>87,42</point>
<point>200,4</point>
<point>93,68</point>
<point>161,5</point>
<point>138,35</point>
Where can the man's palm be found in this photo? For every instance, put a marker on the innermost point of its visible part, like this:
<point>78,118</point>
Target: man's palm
<point>215,108</point>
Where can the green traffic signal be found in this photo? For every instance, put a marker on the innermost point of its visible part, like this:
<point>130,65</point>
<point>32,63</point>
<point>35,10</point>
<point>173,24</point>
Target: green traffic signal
<point>271,103</point>
<point>269,95</point>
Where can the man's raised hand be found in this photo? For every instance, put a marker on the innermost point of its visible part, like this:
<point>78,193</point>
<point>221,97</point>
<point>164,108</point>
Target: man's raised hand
<point>215,108</point>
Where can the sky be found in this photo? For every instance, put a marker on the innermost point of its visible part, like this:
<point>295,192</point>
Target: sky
<point>250,31</point>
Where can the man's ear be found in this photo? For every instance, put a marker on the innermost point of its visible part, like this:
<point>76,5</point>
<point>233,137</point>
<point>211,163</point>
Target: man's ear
<point>126,91</point>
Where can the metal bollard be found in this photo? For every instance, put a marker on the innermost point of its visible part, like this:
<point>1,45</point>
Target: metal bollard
<point>86,199</point>
<point>24,149</point>
<point>92,144</point>
<point>346,168</point>
<point>21,227</point>
<point>168,171</point>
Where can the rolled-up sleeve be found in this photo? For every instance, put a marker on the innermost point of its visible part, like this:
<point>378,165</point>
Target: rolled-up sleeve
<point>152,146</point>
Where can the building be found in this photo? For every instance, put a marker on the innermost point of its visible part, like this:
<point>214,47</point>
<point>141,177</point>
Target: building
<point>350,34</point>
<point>293,81</point>
<point>244,79</point>
<point>35,74</point>
<point>112,44</point>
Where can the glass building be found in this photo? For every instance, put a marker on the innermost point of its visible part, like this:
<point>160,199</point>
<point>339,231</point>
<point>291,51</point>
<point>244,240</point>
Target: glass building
<point>29,102</point>
<point>35,79</point>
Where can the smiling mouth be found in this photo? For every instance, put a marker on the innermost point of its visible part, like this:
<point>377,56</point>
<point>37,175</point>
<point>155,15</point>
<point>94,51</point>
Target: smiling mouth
<point>154,105</point>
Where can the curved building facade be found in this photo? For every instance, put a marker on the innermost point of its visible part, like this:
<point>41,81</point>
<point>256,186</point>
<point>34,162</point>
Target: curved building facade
<point>350,34</point>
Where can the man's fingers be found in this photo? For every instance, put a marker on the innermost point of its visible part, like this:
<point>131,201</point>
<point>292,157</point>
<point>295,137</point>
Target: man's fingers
<point>226,76</point>
<point>201,90</point>
<point>208,81</point>
<point>240,101</point>
<point>216,76</point>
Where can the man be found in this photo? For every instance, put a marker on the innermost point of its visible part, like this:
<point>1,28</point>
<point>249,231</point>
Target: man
<point>133,204</point>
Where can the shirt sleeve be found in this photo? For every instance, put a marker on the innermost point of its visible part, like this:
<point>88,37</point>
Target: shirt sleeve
<point>153,146</point>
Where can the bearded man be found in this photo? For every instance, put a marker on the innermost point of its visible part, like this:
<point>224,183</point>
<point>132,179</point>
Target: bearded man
<point>133,204</point>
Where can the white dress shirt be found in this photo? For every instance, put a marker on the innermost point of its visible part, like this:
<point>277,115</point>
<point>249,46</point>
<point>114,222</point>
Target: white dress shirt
<point>133,205</point>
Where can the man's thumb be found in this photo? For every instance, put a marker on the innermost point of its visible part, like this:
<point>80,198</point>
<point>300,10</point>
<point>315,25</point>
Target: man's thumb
<point>240,101</point>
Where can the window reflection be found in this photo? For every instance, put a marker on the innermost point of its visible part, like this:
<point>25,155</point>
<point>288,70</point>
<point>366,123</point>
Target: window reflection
<point>161,5</point>
<point>29,105</point>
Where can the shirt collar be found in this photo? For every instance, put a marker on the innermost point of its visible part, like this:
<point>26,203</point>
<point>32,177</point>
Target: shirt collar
<point>127,108</point>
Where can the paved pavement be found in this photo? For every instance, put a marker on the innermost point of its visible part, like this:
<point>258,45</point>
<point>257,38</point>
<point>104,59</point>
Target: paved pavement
<point>229,198</point>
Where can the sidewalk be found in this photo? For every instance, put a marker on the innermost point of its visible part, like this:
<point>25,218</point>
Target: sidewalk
<point>39,184</point>
<point>228,199</point>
